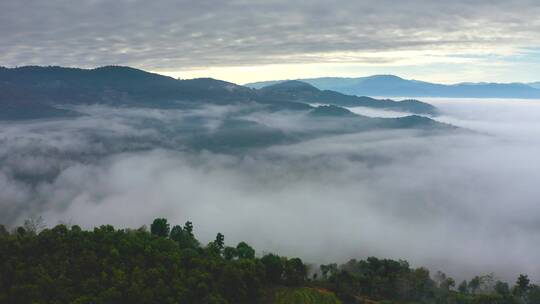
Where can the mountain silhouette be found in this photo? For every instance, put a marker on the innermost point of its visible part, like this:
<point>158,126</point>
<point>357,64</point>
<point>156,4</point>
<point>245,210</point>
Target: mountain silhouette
<point>390,85</point>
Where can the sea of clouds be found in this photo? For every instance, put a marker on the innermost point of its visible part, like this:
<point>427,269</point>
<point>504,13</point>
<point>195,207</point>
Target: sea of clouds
<point>466,203</point>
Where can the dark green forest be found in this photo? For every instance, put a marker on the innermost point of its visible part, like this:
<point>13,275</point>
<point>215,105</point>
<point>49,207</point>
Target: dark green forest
<point>167,264</point>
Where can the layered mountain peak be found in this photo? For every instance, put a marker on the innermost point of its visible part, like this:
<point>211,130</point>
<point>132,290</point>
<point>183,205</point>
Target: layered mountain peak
<point>388,77</point>
<point>391,85</point>
<point>331,111</point>
<point>292,85</point>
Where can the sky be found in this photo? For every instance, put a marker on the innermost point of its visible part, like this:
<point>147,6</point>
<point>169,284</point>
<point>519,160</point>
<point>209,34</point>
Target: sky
<point>244,40</point>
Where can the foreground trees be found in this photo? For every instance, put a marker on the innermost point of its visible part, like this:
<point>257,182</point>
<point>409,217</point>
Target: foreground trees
<point>169,265</point>
<point>106,265</point>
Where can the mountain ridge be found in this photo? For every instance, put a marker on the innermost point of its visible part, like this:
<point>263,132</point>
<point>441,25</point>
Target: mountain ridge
<point>392,85</point>
<point>303,92</point>
<point>46,93</point>
<point>33,88</point>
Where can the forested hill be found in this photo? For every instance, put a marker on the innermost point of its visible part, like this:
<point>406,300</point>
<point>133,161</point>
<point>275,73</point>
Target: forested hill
<point>169,265</point>
<point>35,92</point>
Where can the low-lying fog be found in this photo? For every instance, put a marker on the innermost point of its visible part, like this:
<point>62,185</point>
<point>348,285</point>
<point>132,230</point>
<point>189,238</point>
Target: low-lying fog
<point>464,203</point>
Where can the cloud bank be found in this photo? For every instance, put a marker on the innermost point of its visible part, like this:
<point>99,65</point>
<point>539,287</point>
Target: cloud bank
<point>187,36</point>
<point>464,203</point>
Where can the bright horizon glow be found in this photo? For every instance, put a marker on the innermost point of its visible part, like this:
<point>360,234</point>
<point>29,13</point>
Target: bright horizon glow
<point>444,70</point>
<point>444,65</point>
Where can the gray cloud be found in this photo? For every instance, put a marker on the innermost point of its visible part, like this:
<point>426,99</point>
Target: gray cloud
<point>176,35</point>
<point>462,203</point>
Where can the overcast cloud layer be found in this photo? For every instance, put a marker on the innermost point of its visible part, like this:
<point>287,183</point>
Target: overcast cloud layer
<point>195,37</point>
<point>464,203</point>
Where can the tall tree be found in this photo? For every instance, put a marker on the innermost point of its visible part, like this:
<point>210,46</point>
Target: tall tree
<point>220,241</point>
<point>295,271</point>
<point>463,287</point>
<point>34,224</point>
<point>274,268</point>
<point>188,228</point>
<point>177,234</point>
<point>160,227</point>
<point>474,284</point>
<point>522,285</point>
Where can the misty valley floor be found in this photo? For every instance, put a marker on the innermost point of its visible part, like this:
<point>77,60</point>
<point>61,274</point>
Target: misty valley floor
<point>462,202</point>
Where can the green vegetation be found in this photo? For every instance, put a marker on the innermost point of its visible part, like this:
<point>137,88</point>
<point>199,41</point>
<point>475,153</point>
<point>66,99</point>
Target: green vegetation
<point>169,265</point>
<point>305,295</point>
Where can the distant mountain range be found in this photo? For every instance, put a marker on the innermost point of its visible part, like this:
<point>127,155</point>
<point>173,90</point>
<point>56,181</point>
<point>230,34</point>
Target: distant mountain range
<point>298,91</point>
<point>390,85</point>
<point>251,119</point>
<point>41,92</point>
<point>535,85</point>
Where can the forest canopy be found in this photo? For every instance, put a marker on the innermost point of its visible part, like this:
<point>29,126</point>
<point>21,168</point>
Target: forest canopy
<point>167,264</point>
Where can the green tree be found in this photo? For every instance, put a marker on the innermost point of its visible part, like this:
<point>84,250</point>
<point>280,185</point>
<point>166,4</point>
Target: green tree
<point>160,227</point>
<point>502,288</point>
<point>229,253</point>
<point>3,231</point>
<point>474,284</point>
<point>522,286</point>
<point>188,228</point>
<point>522,283</point>
<point>232,283</point>
<point>295,271</point>
<point>534,294</point>
<point>274,268</point>
<point>244,251</point>
<point>177,234</point>
<point>463,287</point>
<point>421,283</point>
<point>216,247</point>
<point>21,231</point>
<point>185,236</point>
<point>328,270</point>
<point>448,284</point>
<point>220,241</point>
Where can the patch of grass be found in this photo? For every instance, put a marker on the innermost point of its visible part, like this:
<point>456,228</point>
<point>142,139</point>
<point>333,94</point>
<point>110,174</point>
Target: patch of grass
<point>305,295</point>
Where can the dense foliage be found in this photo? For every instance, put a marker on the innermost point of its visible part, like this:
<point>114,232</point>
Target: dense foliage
<point>169,265</point>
